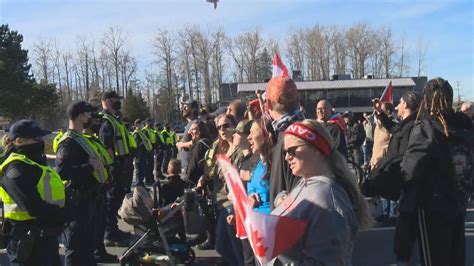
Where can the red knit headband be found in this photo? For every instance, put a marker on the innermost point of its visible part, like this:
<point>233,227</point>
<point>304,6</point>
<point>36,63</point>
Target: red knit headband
<point>309,135</point>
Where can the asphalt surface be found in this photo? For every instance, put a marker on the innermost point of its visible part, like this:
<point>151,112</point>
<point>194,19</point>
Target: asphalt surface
<point>373,247</point>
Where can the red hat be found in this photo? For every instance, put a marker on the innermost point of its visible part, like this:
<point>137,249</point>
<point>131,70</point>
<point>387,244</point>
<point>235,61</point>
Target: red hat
<point>281,90</point>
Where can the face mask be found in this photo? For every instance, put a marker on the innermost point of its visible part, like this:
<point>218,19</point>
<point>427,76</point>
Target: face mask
<point>117,105</point>
<point>33,151</point>
<point>88,123</point>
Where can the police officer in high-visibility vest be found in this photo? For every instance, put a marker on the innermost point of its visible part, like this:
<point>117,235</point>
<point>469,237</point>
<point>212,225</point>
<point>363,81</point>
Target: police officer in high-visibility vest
<point>159,150</point>
<point>149,132</point>
<point>33,197</point>
<point>144,149</point>
<point>56,139</point>
<point>174,149</point>
<point>100,253</point>
<point>114,136</point>
<point>167,151</point>
<point>79,163</point>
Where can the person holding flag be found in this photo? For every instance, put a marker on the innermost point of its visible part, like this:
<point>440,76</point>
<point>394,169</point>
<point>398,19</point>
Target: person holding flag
<point>327,197</point>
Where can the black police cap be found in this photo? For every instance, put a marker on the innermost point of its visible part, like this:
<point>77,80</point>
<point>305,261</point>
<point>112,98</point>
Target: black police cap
<point>26,128</point>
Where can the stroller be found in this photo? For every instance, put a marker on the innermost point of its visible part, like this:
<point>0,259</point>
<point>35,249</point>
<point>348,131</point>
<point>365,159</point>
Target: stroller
<point>157,243</point>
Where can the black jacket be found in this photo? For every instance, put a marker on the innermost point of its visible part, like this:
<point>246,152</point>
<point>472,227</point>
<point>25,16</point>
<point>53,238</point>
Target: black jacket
<point>337,136</point>
<point>282,179</point>
<point>196,160</point>
<point>72,163</point>
<point>19,181</point>
<point>385,179</point>
<point>427,167</point>
<point>355,135</point>
<point>172,189</point>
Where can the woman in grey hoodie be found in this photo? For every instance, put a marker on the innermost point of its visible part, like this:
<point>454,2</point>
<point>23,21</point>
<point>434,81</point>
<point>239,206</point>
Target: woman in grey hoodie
<point>327,197</point>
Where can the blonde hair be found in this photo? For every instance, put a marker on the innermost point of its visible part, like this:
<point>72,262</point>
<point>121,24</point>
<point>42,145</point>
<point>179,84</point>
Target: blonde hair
<point>344,175</point>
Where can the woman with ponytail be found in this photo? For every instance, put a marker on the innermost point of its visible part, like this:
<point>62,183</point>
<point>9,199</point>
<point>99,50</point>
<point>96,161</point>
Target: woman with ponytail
<point>327,197</point>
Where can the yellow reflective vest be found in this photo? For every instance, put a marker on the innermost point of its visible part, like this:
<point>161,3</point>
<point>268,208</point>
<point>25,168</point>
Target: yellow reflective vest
<point>144,140</point>
<point>56,140</point>
<point>105,156</point>
<point>131,141</point>
<point>121,139</point>
<point>150,134</point>
<point>100,175</point>
<point>168,138</point>
<point>49,187</point>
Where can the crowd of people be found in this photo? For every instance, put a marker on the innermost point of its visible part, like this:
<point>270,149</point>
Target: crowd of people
<point>290,166</point>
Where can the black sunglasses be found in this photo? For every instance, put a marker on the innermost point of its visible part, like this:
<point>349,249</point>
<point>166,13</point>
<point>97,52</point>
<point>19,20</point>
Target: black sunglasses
<point>223,126</point>
<point>292,150</point>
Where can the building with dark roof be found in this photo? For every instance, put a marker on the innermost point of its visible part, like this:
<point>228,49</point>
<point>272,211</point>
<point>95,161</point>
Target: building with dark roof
<point>347,94</point>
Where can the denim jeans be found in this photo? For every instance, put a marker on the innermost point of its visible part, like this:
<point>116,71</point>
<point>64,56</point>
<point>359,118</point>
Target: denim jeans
<point>390,208</point>
<point>227,244</point>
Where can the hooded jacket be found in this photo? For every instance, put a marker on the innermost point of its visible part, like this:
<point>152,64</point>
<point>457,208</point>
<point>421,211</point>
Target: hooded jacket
<point>331,223</point>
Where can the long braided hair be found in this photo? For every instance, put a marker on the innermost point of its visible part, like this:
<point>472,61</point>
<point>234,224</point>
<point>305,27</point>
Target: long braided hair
<point>437,102</point>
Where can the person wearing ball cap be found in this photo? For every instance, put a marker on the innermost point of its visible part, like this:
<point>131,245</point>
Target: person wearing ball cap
<point>283,108</point>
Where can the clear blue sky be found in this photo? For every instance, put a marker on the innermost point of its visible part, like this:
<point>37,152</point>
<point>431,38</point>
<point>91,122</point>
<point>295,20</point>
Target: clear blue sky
<point>447,26</point>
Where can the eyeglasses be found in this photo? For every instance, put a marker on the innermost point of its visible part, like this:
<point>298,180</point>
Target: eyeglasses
<point>292,150</point>
<point>223,126</point>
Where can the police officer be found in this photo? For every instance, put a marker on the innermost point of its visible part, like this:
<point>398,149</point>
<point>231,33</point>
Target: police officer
<point>57,138</point>
<point>150,134</point>
<point>168,148</point>
<point>144,150</point>
<point>114,136</point>
<point>174,149</point>
<point>159,150</point>
<point>100,253</point>
<point>33,197</point>
<point>79,163</point>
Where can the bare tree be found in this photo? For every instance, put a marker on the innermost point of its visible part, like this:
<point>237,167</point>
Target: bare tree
<point>114,39</point>
<point>42,52</point>
<point>359,46</point>
<point>421,50</point>
<point>339,49</point>
<point>388,50</point>
<point>295,50</point>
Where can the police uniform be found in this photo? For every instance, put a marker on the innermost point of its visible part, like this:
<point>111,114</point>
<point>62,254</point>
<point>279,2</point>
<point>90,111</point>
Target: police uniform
<point>159,151</point>
<point>33,197</point>
<point>114,136</point>
<point>167,151</point>
<point>144,150</point>
<point>150,134</point>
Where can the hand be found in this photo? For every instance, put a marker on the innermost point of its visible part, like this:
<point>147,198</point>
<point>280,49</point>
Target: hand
<point>254,200</point>
<point>377,104</point>
<point>96,164</point>
<point>200,183</point>
<point>230,219</point>
<point>279,200</point>
<point>245,175</point>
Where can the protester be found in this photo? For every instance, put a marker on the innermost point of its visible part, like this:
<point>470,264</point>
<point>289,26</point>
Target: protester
<point>201,144</point>
<point>227,245</point>
<point>437,205</point>
<point>174,186</point>
<point>237,109</point>
<point>368,144</point>
<point>282,105</point>
<point>258,187</point>
<point>327,198</point>
<point>30,217</point>
<point>381,133</point>
<point>190,112</point>
<point>323,115</point>
<point>355,138</point>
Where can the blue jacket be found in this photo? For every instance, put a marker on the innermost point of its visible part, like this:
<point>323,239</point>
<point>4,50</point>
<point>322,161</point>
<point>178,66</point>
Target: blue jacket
<point>261,186</point>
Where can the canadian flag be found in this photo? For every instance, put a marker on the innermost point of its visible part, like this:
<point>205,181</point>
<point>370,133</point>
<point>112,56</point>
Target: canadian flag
<point>279,69</point>
<point>387,94</point>
<point>269,235</point>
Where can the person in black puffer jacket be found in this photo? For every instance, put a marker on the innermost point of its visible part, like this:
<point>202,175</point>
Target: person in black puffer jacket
<point>437,207</point>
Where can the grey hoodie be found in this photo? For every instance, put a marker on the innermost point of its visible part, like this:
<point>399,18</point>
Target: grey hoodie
<point>332,226</point>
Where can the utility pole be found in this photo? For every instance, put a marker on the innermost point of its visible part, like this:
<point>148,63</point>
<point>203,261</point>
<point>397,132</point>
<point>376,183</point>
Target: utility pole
<point>458,89</point>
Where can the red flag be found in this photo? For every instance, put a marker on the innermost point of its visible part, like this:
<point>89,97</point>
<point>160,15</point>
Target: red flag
<point>387,95</point>
<point>279,69</point>
<point>269,235</point>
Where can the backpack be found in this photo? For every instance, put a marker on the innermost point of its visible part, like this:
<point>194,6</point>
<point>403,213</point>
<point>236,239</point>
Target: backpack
<point>461,146</point>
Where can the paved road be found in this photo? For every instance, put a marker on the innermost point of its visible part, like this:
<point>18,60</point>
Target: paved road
<point>373,248</point>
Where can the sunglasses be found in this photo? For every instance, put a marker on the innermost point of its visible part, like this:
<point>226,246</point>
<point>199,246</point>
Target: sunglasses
<point>292,150</point>
<point>223,126</point>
